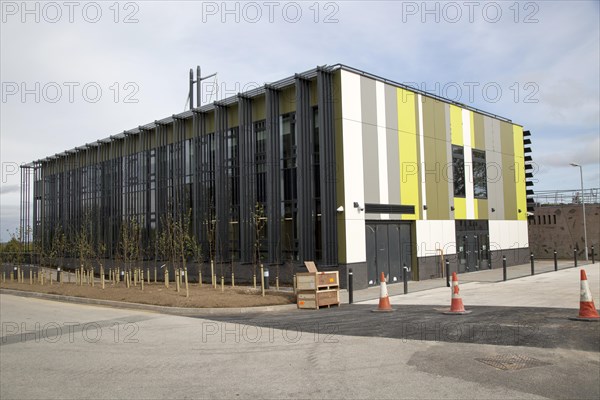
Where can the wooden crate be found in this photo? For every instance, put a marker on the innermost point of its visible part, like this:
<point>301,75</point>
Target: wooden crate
<point>317,280</point>
<point>315,299</point>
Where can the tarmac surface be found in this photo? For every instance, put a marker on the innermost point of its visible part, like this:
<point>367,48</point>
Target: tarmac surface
<point>517,343</point>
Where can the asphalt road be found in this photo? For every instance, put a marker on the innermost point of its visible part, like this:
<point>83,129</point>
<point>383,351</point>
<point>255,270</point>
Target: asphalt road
<point>54,350</point>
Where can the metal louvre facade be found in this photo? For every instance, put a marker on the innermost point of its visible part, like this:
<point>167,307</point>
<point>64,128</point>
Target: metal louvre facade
<point>215,163</point>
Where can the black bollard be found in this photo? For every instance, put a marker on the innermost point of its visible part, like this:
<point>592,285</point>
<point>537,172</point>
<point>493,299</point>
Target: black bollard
<point>532,264</point>
<point>405,278</point>
<point>350,286</point>
<point>555,261</point>
<point>58,275</point>
<point>593,259</point>
<point>504,268</point>
<point>575,257</point>
<point>447,273</point>
<point>266,277</point>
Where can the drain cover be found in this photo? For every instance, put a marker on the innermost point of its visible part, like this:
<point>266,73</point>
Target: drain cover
<point>512,362</point>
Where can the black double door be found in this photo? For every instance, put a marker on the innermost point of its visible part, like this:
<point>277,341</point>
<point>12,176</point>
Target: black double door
<point>472,245</point>
<point>388,246</point>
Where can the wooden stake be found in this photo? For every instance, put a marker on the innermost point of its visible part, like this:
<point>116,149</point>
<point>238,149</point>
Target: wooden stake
<point>166,277</point>
<point>187,290</point>
<point>199,278</point>
<point>254,280</point>
<point>30,277</point>
<point>155,275</point>
<point>91,275</point>
<point>148,274</point>
<point>232,279</point>
<point>177,278</point>
<point>277,283</point>
<point>294,283</point>
<point>142,278</point>
<point>212,273</point>
<point>102,276</point>
<point>222,283</point>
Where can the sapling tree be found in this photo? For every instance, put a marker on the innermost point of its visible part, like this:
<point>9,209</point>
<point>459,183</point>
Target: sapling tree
<point>259,221</point>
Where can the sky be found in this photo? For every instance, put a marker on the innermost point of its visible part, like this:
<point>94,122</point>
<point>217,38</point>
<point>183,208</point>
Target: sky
<point>75,72</point>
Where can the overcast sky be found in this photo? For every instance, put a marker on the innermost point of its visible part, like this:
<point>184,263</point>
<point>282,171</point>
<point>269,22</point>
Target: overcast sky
<point>76,72</point>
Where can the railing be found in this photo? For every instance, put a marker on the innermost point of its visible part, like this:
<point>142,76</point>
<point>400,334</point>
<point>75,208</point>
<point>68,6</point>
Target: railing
<point>554,197</point>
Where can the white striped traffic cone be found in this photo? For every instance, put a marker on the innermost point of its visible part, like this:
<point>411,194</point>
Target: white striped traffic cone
<point>456,304</point>
<point>384,298</point>
<point>587,309</point>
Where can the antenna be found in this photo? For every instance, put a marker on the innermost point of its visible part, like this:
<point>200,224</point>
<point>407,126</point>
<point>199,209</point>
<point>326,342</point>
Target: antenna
<point>198,82</point>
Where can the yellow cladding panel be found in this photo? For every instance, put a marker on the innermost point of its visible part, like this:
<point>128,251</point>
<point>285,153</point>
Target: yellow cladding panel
<point>408,149</point>
<point>472,117</point>
<point>456,129</point>
<point>520,172</point>
<point>460,208</point>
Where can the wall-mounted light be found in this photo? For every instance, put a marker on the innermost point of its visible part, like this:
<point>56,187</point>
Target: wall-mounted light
<point>451,208</point>
<point>493,209</point>
<point>424,206</point>
<point>340,209</point>
<point>357,205</point>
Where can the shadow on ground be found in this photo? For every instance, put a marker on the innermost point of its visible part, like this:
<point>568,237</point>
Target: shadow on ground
<point>505,326</point>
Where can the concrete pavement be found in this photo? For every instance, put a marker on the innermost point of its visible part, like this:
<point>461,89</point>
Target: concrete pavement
<point>60,350</point>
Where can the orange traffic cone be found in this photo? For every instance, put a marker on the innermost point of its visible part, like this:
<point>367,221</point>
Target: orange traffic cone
<point>456,304</point>
<point>587,309</point>
<point>384,298</point>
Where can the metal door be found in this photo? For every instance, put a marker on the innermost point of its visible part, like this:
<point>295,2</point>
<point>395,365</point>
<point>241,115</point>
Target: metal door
<point>383,245</point>
<point>371,245</point>
<point>394,253</point>
<point>388,248</point>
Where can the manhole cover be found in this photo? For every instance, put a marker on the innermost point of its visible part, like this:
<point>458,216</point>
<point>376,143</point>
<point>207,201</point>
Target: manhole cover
<point>512,362</point>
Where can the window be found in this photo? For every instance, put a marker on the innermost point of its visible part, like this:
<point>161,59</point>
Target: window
<point>479,175</point>
<point>458,170</point>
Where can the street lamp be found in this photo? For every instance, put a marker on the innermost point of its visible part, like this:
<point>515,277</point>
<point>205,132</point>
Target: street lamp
<point>583,205</point>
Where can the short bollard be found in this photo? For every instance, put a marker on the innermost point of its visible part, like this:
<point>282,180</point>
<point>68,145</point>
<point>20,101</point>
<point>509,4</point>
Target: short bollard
<point>504,268</point>
<point>266,277</point>
<point>532,264</point>
<point>405,278</point>
<point>575,257</point>
<point>350,286</point>
<point>555,261</point>
<point>447,273</point>
<point>58,277</point>
<point>593,259</point>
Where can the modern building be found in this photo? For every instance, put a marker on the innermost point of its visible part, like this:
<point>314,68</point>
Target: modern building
<point>345,168</point>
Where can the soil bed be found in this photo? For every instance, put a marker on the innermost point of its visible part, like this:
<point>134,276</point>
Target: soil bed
<point>158,294</point>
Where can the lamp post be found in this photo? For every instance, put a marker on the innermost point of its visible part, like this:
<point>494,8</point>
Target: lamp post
<point>583,206</point>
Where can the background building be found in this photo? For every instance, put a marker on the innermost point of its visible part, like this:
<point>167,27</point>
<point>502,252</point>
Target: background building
<point>557,223</point>
<point>342,167</point>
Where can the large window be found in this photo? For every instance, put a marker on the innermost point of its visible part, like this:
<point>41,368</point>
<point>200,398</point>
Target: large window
<point>479,175</point>
<point>458,170</point>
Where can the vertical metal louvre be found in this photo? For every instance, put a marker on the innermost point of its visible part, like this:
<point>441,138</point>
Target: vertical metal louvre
<point>328,167</point>
<point>273,174</point>
<point>306,206</point>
